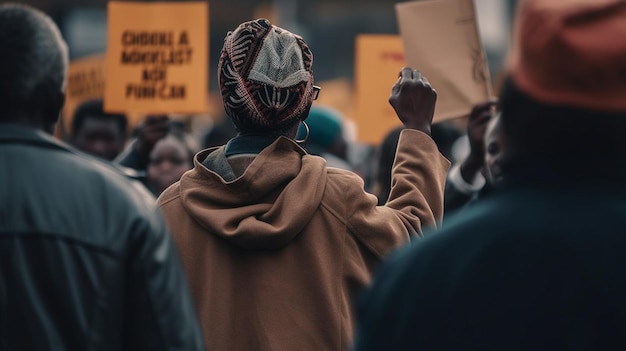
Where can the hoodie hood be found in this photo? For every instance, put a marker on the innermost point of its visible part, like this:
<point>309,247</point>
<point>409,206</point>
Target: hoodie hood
<point>267,206</point>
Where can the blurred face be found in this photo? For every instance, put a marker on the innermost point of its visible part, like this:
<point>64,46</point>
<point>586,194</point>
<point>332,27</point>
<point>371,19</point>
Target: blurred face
<point>168,161</point>
<point>494,151</point>
<point>100,137</point>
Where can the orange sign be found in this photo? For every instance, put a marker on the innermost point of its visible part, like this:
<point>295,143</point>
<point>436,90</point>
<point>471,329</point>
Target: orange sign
<point>157,57</point>
<point>379,59</point>
<point>85,81</point>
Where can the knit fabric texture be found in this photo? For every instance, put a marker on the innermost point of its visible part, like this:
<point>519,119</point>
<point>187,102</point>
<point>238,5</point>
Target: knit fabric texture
<point>265,77</point>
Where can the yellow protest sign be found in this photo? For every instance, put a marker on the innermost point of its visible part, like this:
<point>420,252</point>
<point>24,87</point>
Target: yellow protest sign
<point>157,57</point>
<point>85,81</point>
<point>441,40</point>
<point>379,59</point>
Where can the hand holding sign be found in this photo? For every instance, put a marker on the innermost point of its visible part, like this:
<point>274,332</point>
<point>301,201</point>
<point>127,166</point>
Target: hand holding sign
<point>414,99</point>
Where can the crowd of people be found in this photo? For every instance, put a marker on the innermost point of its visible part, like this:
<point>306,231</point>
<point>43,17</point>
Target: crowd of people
<point>266,235</point>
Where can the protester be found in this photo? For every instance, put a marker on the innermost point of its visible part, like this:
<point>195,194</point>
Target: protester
<point>495,150</point>
<point>98,133</point>
<point>540,264</point>
<point>170,158</point>
<point>443,134</point>
<point>325,136</point>
<point>137,155</point>
<point>86,261</point>
<point>466,180</point>
<point>275,244</point>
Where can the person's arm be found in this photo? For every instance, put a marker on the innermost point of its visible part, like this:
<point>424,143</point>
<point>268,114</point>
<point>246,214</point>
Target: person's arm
<point>465,179</point>
<point>414,99</point>
<point>137,154</point>
<point>418,174</point>
<point>160,313</point>
<point>479,117</point>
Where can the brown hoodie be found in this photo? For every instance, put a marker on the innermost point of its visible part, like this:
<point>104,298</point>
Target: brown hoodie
<point>276,256</point>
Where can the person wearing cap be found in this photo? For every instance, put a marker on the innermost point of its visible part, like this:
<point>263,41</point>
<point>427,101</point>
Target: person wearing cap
<point>275,244</point>
<point>539,265</point>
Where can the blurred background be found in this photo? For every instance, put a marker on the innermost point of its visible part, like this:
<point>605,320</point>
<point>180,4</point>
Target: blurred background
<point>328,26</point>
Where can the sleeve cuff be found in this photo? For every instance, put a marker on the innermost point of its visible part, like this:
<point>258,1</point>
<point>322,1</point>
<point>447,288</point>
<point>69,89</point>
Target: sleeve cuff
<point>460,184</point>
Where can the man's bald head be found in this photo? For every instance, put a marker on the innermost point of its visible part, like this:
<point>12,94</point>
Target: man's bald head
<point>33,65</point>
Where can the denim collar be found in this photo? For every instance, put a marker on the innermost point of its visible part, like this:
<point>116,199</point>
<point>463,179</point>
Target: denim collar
<point>248,144</point>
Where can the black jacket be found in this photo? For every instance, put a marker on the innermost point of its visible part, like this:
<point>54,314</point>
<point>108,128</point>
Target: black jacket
<point>86,262</point>
<point>535,266</point>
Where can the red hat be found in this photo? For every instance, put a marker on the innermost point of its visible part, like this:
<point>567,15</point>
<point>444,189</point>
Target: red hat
<point>571,52</point>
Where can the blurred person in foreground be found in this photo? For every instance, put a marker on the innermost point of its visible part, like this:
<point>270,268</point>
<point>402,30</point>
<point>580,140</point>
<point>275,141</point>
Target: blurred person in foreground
<point>86,261</point>
<point>276,245</point>
<point>540,264</point>
<point>98,133</point>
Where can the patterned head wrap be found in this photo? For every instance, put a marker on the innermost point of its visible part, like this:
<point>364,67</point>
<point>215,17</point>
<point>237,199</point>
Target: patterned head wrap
<point>265,77</point>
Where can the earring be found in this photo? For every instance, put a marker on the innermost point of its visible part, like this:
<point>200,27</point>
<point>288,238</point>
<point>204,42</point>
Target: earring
<point>306,126</point>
